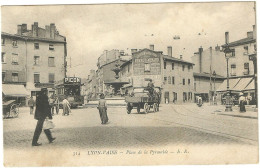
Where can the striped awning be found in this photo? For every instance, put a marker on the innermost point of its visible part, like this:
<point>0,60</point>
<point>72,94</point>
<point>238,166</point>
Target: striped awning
<point>14,90</point>
<point>232,84</point>
<point>250,86</point>
<point>243,82</point>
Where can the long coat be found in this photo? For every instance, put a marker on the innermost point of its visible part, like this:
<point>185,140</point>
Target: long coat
<point>42,108</point>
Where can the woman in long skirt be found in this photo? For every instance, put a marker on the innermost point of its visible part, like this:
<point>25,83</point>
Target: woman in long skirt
<point>102,107</point>
<point>66,107</point>
<point>242,103</point>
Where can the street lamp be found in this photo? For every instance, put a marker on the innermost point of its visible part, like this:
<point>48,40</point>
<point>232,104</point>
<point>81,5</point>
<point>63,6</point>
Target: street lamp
<point>214,75</point>
<point>228,54</point>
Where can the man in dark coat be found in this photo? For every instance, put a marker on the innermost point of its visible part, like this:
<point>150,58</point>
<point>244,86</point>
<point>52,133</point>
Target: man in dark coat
<point>42,111</point>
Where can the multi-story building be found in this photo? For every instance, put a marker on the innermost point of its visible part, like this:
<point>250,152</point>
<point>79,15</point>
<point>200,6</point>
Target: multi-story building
<point>35,58</point>
<point>241,68</point>
<point>173,76</point>
<point>206,62</point>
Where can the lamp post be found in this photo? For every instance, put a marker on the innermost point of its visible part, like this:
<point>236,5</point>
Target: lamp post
<point>214,75</point>
<point>253,57</point>
<point>228,54</point>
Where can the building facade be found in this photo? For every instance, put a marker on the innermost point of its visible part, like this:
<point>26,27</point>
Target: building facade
<point>173,76</point>
<point>35,58</point>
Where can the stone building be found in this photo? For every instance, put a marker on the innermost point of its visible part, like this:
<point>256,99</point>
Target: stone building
<point>173,76</point>
<point>34,58</point>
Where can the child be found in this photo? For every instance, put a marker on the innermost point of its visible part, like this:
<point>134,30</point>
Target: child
<point>102,107</point>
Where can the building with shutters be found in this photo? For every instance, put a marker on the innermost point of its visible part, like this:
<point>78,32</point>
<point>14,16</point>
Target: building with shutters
<point>174,76</point>
<point>34,58</point>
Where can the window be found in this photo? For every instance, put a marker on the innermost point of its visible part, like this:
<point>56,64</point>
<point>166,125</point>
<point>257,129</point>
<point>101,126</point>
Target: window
<point>36,60</point>
<point>184,96</point>
<point>165,79</point>
<point>183,81</point>
<point>36,78</point>
<point>15,59</point>
<point>128,68</point>
<point>51,47</point>
<point>147,67</point>
<point>245,50</point>
<point>3,41</point>
<point>51,62</point>
<point>169,80</point>
<point>189,95</point>
<point>15,77</point>
<point>14,43</point>
<point>172,66</point>
<point>164,65</point>
<point>189,68</point>
<point>183,67</point>
<point>188,81</point>
<point>233,70</point>
<point>173,81</point>
<point>255,47</point>
<point>3,58</point>
<point>246,68</point>
<point>3,76</point>
<point>36,46</point>
<point>51,78</point>
<point>233,52</point>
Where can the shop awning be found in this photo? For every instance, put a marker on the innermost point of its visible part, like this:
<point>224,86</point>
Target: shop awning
<point>127,86</point>
<point>232,84</point>
<point>14,90</point>
<point>243,82</point>
<point>250,86</point>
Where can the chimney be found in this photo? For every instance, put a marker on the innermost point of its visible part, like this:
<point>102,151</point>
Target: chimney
<point>181,57</point>
<point>35,29</point>
<point>254,32</point>
<point>47,31</point>
<point>200,58</point>
<point>24,28</point>
<point>250,34</point>
<point>52,30</point>
<point>151,47</point>
<point>133,51</point>
<point>169,51</point>
<point>19,29</point>
<point>226,37</point>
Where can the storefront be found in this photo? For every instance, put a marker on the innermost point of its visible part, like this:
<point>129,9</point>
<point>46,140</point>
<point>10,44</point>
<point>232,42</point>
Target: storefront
<point>15,92</point>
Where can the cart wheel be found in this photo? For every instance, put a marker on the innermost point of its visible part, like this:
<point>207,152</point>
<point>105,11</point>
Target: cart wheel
<point>128,108</point>
<point>14,110</point>
<point>146,108</point>
<point>138,109</point>
<point>154,107</point>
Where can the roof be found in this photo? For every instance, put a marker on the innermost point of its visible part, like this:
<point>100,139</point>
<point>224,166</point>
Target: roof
<point>24,37</point>
<point>241,42</point>
<point>176,59</point>
<point>14,90</point>
<point>113,62</point>
<point>207,75</point>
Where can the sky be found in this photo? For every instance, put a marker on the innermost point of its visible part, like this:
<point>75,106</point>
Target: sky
<point>91,29</point>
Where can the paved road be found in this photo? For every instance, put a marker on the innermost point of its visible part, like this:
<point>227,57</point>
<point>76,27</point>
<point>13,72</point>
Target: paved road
<point>173,125</point>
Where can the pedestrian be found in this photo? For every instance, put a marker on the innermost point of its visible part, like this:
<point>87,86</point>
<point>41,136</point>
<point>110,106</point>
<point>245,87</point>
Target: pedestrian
<point>242,103</point>
<point>66,107</point>
<point>102,107</point>
<point>57,104</point>
<point>51,102</point>
<point>31,104</point>
<point>42,112</point>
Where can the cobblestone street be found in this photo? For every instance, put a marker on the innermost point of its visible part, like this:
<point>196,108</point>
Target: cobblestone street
<point>173,125</point>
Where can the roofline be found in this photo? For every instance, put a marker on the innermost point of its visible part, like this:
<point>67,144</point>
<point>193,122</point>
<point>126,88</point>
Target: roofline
<point>205,75</point>
<point>32,38</point>
<point>147,49</point>
<point>177,60</point>
<point>237,43</point>
<point>112,62</point>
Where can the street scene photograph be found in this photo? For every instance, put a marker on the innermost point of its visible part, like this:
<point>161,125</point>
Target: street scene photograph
<point>129,84</point>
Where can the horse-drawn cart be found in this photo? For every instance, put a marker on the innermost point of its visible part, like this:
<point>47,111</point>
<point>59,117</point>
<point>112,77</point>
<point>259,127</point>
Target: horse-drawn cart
<point>10,109</point>
<point>143,100</point>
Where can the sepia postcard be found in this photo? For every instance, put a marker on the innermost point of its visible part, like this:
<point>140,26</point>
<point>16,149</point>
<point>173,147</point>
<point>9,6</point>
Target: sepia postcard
<point>131,84</point>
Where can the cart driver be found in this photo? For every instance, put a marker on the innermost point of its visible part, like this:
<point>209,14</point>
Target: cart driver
<point>150,87</point>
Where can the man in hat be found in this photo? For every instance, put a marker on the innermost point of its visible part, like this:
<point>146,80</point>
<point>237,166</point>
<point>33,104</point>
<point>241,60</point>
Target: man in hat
<point>41,112</point>
<point>150,87</point>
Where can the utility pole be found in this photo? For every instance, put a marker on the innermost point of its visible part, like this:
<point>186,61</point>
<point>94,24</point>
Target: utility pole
<point>210,69</point>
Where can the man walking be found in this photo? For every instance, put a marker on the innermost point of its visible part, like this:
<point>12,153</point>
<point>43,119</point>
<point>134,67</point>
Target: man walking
<point>31,104</point>
<point>41,112</point>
